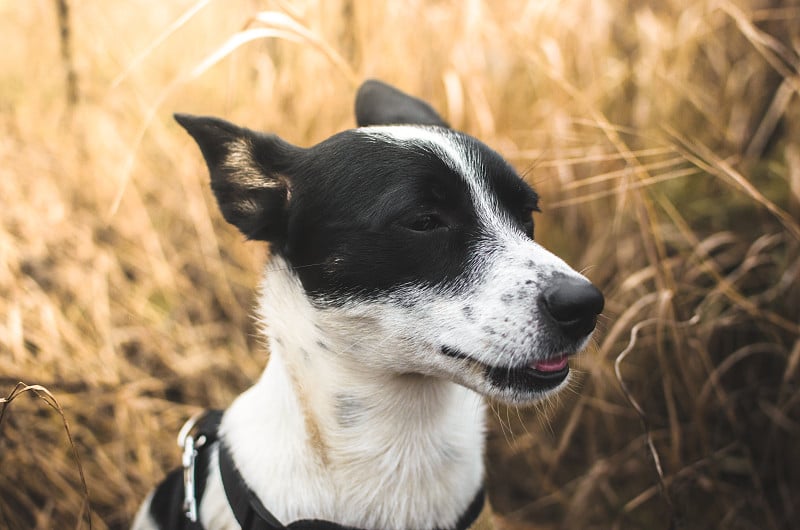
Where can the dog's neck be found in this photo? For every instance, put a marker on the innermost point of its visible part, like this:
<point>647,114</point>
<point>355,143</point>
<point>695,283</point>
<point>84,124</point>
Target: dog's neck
<point>322,435</point>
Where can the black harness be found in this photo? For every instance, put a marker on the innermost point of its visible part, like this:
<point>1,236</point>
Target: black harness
<point>174,505</point>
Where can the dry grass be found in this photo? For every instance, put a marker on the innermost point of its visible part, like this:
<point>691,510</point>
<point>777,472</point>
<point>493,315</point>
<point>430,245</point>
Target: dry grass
<point>663,135</point>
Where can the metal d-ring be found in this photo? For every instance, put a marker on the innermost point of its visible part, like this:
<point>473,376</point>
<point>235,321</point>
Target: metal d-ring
<point>189,445</point>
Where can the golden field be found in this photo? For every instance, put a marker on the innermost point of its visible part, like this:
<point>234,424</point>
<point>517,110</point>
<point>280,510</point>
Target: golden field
<point>664,137</point>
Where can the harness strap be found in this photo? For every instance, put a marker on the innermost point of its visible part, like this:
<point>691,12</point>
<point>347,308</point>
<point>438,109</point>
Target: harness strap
<point>247,507</point>
<point>251,513</point>
<point>175,501</point>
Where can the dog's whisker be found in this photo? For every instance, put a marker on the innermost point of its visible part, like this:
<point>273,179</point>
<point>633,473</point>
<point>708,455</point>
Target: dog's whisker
<point>510,426</point>
<point>522,422</point>
<point>503,427</point>
<point>295,267</point>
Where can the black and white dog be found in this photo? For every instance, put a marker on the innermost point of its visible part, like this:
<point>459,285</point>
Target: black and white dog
<point>404,285</point>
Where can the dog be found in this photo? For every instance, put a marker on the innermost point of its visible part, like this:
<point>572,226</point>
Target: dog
<point>404,286</point>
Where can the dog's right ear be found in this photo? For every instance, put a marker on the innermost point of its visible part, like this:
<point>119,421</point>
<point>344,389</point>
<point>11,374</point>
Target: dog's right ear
<point>380,104</point>
<point>249,174</point>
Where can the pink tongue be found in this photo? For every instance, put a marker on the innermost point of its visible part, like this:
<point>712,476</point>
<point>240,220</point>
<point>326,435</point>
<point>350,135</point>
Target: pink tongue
<point>551,365</point>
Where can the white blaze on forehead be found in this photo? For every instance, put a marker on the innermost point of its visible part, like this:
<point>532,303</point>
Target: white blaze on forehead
<point>455,155</point>
<point>458,155</point>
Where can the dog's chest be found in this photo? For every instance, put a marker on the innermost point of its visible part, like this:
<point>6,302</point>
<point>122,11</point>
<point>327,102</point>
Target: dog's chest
<point>378,464</point>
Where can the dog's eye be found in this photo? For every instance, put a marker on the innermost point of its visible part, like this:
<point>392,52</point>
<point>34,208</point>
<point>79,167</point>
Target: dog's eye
<point>425,222</point>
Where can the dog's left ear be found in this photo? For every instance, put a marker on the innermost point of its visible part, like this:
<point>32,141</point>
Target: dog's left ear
<point>250,174</point>
<point>380,104</point>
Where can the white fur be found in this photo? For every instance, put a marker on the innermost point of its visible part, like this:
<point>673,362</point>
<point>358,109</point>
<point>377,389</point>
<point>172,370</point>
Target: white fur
<point>408,454</point>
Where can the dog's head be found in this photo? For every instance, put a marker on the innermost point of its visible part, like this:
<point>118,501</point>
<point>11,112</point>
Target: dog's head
<point>421,235</point>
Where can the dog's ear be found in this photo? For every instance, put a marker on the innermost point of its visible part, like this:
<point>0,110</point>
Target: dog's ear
<point>249,174</point>
<point>380,104</point>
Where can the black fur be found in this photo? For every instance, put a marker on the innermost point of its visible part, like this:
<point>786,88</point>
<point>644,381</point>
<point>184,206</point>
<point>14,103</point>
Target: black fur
<point>256,205</point>
<point>380,104</point>
<point>357,215</point>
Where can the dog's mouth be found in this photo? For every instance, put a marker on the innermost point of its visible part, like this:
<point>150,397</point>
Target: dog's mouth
<point>538,376</point>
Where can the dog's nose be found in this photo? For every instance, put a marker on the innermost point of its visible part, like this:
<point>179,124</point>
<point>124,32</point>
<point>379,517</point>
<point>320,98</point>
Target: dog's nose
<point>574,304</point>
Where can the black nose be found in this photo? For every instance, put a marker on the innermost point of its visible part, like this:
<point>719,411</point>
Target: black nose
<point>574,304</point>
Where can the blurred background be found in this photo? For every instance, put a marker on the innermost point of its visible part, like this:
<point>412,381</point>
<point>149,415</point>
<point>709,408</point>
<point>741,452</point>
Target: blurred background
<point>663,135</point>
